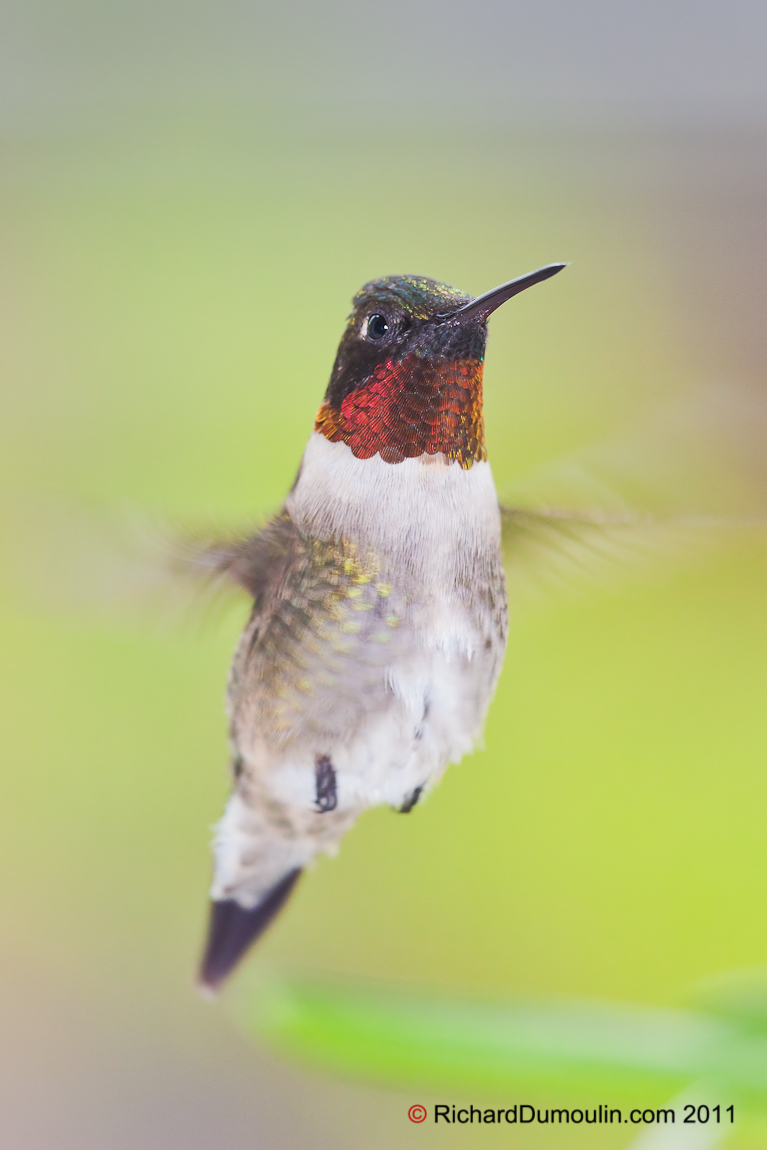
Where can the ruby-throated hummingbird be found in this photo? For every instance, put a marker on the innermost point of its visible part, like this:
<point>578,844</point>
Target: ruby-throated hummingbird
<point>379,614</point>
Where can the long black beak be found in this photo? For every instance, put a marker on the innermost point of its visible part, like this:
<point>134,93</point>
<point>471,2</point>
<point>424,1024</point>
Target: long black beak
<point>483,305</point>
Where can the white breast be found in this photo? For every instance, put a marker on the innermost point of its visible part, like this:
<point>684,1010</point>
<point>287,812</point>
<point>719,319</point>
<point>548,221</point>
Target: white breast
<point>429,516</point>
<point>437,525</point>
<point>436,529</point>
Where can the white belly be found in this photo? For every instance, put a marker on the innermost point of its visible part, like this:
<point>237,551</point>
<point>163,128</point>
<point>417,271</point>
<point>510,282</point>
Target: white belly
<point>437,524</point>
<point>437,704</point>
<point>436,528</point>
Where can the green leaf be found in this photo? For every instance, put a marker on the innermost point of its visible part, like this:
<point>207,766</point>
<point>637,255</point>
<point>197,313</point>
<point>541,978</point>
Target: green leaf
<point>405,1037</point>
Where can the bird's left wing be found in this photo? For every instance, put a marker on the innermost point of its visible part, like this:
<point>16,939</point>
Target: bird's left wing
<point>623,505</point>
<point>562,549</point>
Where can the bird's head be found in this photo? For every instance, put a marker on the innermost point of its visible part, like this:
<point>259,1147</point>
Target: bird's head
<point>407,379</point>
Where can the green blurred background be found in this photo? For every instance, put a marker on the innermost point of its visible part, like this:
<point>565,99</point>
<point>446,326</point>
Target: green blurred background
<point>190,196</point>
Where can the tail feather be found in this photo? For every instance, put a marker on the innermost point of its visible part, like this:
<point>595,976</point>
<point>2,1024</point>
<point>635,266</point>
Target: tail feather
<point>232,929</point>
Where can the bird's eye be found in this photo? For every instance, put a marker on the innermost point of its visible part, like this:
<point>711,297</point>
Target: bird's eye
<point>378,326</point>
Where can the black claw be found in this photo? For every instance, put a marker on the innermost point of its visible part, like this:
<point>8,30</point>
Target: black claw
<point>410,801</point>
<point>232,929</point>
<point>327,796</point>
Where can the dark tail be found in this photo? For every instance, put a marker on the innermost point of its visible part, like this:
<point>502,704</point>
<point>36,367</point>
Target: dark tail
<point>232,930</point>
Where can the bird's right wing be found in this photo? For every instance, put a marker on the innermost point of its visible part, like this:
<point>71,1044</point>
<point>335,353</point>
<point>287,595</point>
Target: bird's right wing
<point>250,561</point>
<point>130,566</point>
<point>617,507</point>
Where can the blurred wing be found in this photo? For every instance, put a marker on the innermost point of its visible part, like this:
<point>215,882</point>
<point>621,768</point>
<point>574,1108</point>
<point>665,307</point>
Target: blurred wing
<point>127,566</point>
<point>246,562</point>
<point>560,549</point>
<point>556,549</point>
<point>621,507</point>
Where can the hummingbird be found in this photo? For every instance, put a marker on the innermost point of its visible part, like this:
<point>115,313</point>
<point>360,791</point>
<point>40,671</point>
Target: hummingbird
<point>379,618</point>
